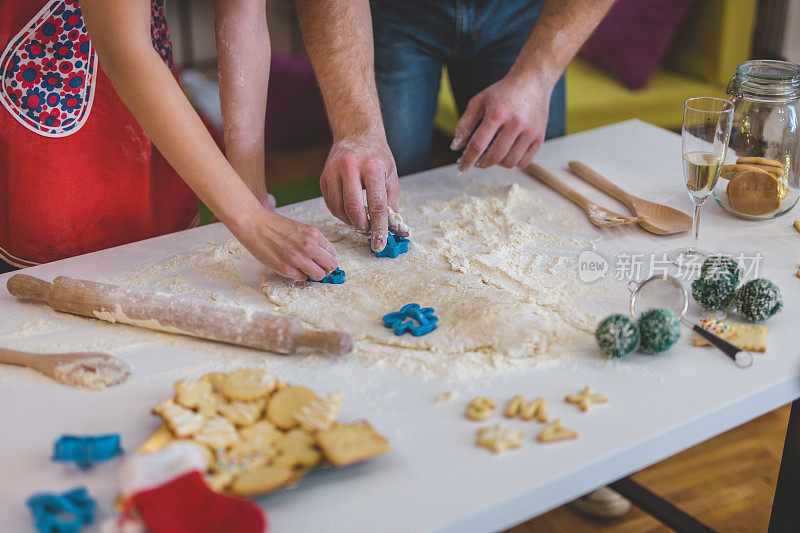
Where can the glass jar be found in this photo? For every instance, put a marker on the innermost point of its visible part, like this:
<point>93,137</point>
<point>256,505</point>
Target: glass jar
<point>765,137</point>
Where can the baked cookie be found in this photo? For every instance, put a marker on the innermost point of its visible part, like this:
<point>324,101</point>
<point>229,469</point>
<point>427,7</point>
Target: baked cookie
<point>217,432</point>
<point>181,421</point>
<point>754,193</point>
<point>446,396</point>
<point>518,405</point>
<point>215,378</point>
<point>499,438</point>
<point>296,449</point>
<point>480,408</point>
<point>729,171</point>
<point>759,161</point>
<point>586,398</point>
<point>285,403</point>
<point>319,413</point>
<point>261,480</point>
<point>555,431</point>
<point>251,442</point>
<point>247,384</point>
<point>750,337</point>
<point>347,444</point>
<point>219,480</point>
<point>260,436</point>
<point>242,413</point>
<point>197,395</point>
<point>235,460</point>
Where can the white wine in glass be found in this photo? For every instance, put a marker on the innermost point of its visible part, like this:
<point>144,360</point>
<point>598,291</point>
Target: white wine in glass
<point>704,137</point>
<point>701,170</point>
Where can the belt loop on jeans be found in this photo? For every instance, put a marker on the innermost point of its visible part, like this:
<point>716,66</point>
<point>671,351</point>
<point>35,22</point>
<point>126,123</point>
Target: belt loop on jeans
<point>465,22</point>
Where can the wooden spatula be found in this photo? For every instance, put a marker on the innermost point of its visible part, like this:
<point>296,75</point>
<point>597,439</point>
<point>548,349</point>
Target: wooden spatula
<point>599,216</point>
<point>94,371</point>
<point>653,217</point>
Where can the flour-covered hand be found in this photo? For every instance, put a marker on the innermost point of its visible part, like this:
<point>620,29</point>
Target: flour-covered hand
<point>357,163</point>
<point>292,249</point>
<point>503,124</point>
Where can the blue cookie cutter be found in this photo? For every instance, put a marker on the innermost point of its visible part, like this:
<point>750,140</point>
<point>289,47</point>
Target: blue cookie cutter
<point>86,450</point>
<point>49,510</point>
<point>403,320</point>
<point>394,246</point>
<point>336,277</point>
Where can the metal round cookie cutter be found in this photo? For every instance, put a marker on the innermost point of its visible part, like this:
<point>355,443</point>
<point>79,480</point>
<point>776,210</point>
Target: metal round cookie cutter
<point>669,292</point>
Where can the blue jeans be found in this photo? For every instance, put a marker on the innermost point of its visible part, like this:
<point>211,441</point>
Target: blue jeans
<point>478,41</point>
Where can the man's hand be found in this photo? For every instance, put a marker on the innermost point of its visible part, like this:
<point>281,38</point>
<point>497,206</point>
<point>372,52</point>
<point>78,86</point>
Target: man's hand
<point>514,110</point>
<point>292,249</point>
<point>511,119</point>
<point>358,163</point>
<point>338,38</point>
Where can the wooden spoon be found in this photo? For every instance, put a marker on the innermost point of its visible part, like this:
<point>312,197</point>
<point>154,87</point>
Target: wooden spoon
<point>599,216</point>
<point>653,217</point>
<point>88,370</point>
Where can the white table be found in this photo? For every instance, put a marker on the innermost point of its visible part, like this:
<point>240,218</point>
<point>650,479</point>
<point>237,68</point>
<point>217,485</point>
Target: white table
<point>435,478</point>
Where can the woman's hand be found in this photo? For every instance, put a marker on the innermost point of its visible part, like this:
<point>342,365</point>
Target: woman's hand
<point>292,249</point>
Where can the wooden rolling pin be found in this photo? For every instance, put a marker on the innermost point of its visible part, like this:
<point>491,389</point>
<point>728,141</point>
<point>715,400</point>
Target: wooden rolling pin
<point>180,314</point>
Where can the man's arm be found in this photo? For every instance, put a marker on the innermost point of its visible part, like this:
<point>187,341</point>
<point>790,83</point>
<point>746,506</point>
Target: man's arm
<point>120,32</point>
<point>243,53</point>
<point>514,110</point>
<point>338,37</point>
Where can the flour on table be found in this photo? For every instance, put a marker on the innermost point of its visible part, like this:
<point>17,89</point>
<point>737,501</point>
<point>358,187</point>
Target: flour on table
<point>497,264</point>
<point>498,270</point>
<point>95,373</point>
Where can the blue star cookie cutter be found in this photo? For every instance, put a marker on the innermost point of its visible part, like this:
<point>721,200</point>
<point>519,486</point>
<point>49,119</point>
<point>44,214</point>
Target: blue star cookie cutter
<point>394,246</point>
<point>62,513</point>
<point>404,320</point>
<point>336,277</point>
<point>86,450</point>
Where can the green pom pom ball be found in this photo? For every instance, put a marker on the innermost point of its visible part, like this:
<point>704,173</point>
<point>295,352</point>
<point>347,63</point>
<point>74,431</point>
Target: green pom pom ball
<point>721,262</point>
<point>715,291</point>
<point>758,300</point>
<point>617,336</point>
<point>659,329</point>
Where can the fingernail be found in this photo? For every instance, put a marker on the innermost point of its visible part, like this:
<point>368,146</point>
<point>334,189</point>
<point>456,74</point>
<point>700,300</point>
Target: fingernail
<point>378,244</point>
<point>455,144</point>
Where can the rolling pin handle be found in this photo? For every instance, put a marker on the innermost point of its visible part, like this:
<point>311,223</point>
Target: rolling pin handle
<point>328,342</point>
<point>28,287</point>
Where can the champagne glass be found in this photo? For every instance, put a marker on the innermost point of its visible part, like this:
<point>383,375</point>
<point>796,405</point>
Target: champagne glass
<point>704,135</point>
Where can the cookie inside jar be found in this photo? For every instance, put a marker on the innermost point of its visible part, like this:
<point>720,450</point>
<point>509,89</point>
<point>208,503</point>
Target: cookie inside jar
<point>757,187</point>
<point>754,193</point>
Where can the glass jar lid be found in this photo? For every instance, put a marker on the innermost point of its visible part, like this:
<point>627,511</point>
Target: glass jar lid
<point>766,79</point>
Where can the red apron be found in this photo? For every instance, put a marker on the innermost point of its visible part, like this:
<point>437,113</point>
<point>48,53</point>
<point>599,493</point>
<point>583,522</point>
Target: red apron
<point>77,172</point>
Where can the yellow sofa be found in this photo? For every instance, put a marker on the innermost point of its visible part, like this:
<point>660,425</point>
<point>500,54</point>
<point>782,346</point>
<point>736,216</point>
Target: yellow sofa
<point>715,36</point>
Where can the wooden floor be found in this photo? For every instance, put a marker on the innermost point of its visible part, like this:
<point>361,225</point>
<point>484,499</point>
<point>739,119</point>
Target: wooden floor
<point>726,482</point>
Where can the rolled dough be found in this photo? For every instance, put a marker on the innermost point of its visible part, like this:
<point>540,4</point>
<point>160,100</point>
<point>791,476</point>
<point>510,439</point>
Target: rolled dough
<point>498,268</point>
